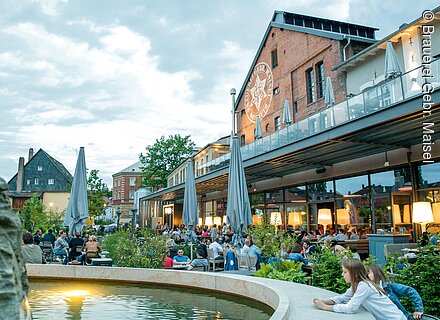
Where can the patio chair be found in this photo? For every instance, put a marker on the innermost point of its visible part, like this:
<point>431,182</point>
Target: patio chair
<point>215,262</point>
<point>429,317</point>
<point>89,255</point>
<point>47,248</point>
<point>243,261</point>
<point>252,263</point>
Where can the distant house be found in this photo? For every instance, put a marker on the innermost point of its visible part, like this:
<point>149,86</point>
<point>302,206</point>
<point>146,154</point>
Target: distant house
<point>125,184</point>
<point>44,175</point>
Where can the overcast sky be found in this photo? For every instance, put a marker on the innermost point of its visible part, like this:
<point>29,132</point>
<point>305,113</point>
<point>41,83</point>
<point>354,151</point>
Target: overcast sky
<point>113,76</point>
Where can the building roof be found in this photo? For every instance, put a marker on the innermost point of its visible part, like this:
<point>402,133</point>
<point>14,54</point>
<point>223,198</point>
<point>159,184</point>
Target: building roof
<point>381,44</point>
<point>321,27</point>
<point>55,162</point>
<point>134,168</point>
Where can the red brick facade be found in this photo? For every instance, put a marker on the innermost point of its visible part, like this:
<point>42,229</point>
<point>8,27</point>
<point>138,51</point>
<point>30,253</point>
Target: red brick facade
<point>296,53</point>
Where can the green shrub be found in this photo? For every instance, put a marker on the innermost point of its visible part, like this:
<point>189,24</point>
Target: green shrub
<point>285,270</point>
<point>327,271</point>
<point>423,275</point>
<point>126,252</point>
<point>270,244</point>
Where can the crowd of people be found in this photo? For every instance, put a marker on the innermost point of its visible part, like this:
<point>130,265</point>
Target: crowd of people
<point>67,249</point>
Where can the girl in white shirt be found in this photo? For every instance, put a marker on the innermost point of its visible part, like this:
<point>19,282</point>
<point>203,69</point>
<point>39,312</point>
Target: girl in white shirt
<point>362,292</point>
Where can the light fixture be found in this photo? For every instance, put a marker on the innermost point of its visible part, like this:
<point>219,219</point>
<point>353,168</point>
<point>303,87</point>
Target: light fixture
<point>343,217</point>
<point>225,219</point>
<point>422,213</point>
<point>295,218</point>
<point>200,221</point>
<point>256,219</point>
<point>208,221</point>
<point>320,170</point>
<point>218,221</point>
<point>324,217</point>
<point>275,218</point>
<point>386,164</point>
<point>436,211</point>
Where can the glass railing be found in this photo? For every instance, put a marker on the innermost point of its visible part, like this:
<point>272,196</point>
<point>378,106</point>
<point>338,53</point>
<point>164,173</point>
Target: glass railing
<point>371,100</point>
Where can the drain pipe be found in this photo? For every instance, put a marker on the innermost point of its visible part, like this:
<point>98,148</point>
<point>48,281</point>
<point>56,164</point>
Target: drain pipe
<point>348,43</point>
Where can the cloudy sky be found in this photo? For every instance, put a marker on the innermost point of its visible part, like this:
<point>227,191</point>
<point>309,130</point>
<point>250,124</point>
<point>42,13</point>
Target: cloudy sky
<point>113,76</point>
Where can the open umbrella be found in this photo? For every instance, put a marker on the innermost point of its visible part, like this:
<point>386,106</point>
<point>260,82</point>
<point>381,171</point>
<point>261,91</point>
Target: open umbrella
<point>258,130</point>
<point>287,116</point>
<point>329,94</point>
<point>78,207</point>
<point>189,215</point>
<point>238,209</point>
<point>392,67</point>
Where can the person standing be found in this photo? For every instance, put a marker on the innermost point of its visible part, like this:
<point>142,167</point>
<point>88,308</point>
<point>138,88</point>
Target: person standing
<point>362,292</point>
<point>49,236</point>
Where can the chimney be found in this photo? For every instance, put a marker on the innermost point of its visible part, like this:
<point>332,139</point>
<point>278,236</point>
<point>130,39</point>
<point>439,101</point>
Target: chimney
<point>31,154</point>
<point>20,174</point>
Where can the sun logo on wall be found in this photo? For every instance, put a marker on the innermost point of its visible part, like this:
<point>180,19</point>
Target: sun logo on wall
<point>259,92</point>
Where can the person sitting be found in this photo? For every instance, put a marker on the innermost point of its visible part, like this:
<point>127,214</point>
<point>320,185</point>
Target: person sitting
<point>49,236</point>
<point>307,248</point>
<point>61,246</point>
<point>396,290</point>
<point>75,242</point>
<point>341,236</point>
<point>217,249</point>
<point>168,261</point>
<point>203,248</point>
<point>91,246</point>
<point>180,259</point>
<point>31,252</point>
<point>362,292</point>
<point>38,237</point>
<point>199,261</point>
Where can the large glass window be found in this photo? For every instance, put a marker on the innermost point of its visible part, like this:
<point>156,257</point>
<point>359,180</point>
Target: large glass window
<point>320,79</point>
<point>353,205</point>
<point>277,123</point>
<point>429,176</point>
<point>382,186</point>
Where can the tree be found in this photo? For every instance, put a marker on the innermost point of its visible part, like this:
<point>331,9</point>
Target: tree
<point>33,213</point>
<point>96,190</point>
<point>162,157</point>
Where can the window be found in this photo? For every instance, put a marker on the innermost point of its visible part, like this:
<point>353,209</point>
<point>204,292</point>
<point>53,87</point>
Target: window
<point>40,168</point>
<point>50,181</point>
<point>274,58</point>
<point>320,79</point>
<point>295,106</point>
<point>131,194</point>
<point>243,112</point>
<point>276,90</point>
<point>36,181</point>
<point>277,123</point>
<point>310,80</point>
<point>132,181</point>
<point>267,127</point>
<point>242,140</point>
<point>28,182</point>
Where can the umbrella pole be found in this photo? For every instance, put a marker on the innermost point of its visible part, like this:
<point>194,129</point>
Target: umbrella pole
<point>191,245</point>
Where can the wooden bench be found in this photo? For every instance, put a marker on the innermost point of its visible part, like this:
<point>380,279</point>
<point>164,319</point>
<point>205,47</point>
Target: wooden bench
<point>362,246</point>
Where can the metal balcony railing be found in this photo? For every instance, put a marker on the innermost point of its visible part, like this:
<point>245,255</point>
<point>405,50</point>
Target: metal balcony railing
<point>375,98</point>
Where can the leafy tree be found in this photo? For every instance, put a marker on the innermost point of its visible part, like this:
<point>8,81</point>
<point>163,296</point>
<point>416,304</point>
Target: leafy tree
<point>33,212</point>
<point>96,190</point>
<point>162,157</point>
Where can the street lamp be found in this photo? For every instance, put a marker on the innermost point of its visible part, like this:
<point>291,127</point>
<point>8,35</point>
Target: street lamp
<point>133,221</point>
<point>118,213</point>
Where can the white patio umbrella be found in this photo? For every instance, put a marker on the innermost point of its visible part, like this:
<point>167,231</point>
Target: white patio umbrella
<point>258,130</point>
<point>287,115</point>
<point>392,67</point>
<point>329,94</point>
<point>78,207</point>
<point>190,215</point>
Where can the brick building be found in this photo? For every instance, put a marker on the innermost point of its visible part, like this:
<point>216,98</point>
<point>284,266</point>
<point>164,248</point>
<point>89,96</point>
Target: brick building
<point>295,56</point>
<point>125,184</point>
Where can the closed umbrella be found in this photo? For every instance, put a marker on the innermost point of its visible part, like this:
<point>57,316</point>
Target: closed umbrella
<point>392,67</point>
<point>329,93</point>
<point>238,209</point>
<point>287,115</point>
<point>258,130</point>
<point>78,207</point>
<point>189,215</point>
